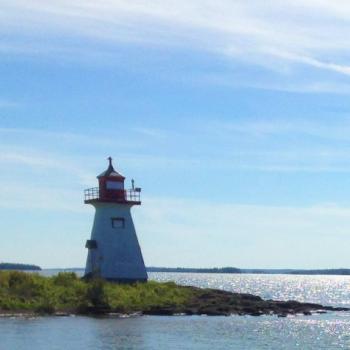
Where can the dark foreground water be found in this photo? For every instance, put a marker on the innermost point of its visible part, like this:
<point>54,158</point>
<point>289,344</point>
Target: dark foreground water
<point>329,331</point>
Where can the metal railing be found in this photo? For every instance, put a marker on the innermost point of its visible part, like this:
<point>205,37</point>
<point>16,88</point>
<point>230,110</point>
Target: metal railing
<point>92,193</point>
<point>131,195</point>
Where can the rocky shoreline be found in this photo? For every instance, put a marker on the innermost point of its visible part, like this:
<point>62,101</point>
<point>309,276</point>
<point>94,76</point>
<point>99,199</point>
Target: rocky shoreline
<point>213,302</point>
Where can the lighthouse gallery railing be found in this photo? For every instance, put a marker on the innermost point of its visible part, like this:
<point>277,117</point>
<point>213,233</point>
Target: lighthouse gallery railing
<point>131,195</point>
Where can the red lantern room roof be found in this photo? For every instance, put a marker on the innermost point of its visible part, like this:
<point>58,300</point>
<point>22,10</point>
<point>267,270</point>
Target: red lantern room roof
<point>111,172</point>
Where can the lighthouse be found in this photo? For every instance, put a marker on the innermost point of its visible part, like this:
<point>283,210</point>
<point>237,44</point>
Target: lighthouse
<point>113,250</point>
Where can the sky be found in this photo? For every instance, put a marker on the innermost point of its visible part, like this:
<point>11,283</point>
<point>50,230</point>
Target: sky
<point>233,117</point>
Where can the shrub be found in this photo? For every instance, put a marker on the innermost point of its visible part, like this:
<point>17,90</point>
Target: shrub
<point>65,279</point>
<point>96,294</point>
<point>23,285</point>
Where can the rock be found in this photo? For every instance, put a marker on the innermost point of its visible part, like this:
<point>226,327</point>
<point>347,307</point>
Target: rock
<point>217,302</point>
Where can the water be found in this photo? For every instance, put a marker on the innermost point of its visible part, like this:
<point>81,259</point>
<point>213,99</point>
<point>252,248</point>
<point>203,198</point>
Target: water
<point>326,290</point>
<point>328,331</point>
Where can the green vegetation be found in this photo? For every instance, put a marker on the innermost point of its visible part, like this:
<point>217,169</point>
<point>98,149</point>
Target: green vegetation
<point>66,293</point>
<point>20,291</point>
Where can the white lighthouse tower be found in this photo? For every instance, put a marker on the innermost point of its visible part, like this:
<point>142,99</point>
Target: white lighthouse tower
<point>113,251</point>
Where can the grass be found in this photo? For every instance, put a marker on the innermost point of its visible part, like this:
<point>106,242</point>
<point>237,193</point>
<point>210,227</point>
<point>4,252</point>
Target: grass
<point>66,292</point>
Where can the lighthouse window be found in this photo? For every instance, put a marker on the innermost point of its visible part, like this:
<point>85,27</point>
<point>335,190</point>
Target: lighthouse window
<point>114,185</point>
<point>118,222</point>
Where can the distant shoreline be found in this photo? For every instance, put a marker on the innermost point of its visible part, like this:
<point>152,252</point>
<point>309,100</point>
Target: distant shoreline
<point>214,270</point>
<point>337,272</point>
<point>228,270</point>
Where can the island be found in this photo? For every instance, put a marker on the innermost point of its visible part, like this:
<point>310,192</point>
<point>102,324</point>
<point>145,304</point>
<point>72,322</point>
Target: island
<point>19,267</point>
<point>24,293</point>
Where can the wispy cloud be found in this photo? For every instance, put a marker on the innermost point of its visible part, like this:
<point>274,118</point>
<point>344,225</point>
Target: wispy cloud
<point>336,130</point>
<point>152,132</point>
<point>310,61</point>
<point>65,136</point>
<point>280,36</point>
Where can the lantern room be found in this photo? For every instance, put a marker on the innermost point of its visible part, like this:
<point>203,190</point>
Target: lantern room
<point>111,188</point>
<point>111,183</point>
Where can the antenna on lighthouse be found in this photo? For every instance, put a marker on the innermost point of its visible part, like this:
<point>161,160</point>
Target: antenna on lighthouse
<point>110,161</point>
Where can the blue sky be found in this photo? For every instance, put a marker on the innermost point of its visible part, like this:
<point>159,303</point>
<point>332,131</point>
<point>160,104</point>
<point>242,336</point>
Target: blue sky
<point>232,117</point>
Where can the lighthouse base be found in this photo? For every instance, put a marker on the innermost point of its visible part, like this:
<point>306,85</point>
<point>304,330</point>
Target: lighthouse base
<point>90,276</point>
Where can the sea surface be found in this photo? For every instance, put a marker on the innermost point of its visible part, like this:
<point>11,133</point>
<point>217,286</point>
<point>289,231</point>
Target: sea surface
<point>326,331</point>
